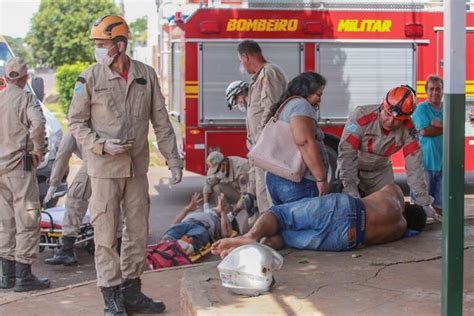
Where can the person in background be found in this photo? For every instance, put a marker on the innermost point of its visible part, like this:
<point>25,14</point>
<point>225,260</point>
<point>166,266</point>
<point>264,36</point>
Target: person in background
<point>303,96</point>
<point>194,229</point>
<point>267,86</point>
<point>428,120</point>
<point>22,145</point>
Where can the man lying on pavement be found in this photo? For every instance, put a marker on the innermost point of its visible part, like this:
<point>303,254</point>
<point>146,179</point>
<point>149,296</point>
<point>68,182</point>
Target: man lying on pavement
<point>335,222</point>
<point>194,229</point>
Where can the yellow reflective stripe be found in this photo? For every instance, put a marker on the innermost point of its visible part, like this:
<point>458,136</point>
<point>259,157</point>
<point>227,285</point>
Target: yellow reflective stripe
<point>191,89</point>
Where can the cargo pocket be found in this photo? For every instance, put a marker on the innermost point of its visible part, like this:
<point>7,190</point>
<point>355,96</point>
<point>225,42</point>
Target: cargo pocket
<point>77,190</point>
<point>30,218</point>
<point>141,110</point>
<point>24,187</point>
<point>98,210</point>
<point>105,107</point>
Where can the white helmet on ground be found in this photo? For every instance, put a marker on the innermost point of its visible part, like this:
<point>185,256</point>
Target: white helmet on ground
<point>234,89</point>
<point>247,270</point>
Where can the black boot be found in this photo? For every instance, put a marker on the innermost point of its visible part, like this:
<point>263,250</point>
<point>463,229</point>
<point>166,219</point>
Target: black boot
<point>8,274</point>
<point>26,281</point>
<point>65,255</point>
<point>113,298</point>
<point>250,202</point>
<point>137,302</point>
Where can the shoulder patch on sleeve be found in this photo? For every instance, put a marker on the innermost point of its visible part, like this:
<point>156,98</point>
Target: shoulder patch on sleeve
<point>79,87</point>
<point>352,128</point>
<point>81,79</point>
<point>366,119</point>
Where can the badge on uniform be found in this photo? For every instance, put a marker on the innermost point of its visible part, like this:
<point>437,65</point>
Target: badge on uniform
<point>78,88</point>
<point>352,128</point>
<point>80,84</point>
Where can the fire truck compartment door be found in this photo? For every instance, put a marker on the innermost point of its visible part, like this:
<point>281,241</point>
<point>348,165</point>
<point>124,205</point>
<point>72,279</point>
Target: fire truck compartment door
<point>227,142</point>
<point>362,73</point>
<point>219,66</point>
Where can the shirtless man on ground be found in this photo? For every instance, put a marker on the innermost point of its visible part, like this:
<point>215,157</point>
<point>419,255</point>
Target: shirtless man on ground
<point>335,222</point>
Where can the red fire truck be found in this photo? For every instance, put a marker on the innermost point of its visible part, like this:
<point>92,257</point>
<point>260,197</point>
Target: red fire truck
<point>362,52</point>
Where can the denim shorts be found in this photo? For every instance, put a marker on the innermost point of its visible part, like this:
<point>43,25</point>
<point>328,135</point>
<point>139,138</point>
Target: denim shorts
<point>198,232</point>
<point>285,191</point>
<point>334,222</point>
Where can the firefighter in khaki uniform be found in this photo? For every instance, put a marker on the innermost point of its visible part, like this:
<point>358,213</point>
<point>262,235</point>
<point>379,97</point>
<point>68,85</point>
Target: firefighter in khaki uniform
<point>230,176</point>
<point>372,134</point>
<point>22,144</point>
<point>113,103</point>
<point>267,87</point>
<point>77,200</point>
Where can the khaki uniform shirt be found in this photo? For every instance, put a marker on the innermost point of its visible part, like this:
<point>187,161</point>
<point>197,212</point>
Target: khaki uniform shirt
<point>67,147</point>
<point>238,172</point>
<point>266,89</point>
<point>105,106</point>
<point>22,126</point>
<point>366,147</point>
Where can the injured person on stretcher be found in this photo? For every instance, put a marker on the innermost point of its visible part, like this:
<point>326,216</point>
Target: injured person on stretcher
<point>194,229</point>
<point>334,222</point>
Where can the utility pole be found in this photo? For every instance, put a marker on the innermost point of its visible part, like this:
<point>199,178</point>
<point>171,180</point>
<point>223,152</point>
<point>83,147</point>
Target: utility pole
<point>121,6</point>
<point>454,108</point>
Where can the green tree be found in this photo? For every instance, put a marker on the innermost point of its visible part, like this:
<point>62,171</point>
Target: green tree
<point>66,77</point>
<point>139,29</point>
<point>21,49</point>
<point>60,30</point>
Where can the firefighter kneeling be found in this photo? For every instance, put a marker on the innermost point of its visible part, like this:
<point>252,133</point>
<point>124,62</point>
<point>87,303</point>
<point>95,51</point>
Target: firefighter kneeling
<point>373,133</point>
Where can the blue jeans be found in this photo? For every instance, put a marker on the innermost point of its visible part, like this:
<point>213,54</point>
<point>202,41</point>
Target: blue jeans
<point>434,181</point>
<point>334,222</point>
<point>198,232</point>
<point>285,191</point>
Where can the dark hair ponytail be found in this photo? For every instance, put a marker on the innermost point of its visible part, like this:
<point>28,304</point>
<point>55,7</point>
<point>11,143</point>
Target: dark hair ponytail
<point>303,85</point>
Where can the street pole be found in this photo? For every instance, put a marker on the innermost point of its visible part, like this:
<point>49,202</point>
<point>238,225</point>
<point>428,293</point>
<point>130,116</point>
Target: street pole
<point>453,156</point>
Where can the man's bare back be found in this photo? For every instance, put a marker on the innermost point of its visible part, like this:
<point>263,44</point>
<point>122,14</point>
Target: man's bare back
<point>384,223</point>
<point>384,215</point>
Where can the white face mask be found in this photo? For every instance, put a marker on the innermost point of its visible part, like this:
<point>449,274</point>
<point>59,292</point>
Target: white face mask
<point>242,69</point>
<point>220,175</point>
<point>242,107</point>
<point>102,56</point>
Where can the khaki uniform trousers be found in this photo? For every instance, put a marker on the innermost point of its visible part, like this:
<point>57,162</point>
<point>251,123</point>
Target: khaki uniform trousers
<point>258,186</point>
<point>19,216</point>
<point>77,201</point>
<point>109,196</point>
<point>373,181</point>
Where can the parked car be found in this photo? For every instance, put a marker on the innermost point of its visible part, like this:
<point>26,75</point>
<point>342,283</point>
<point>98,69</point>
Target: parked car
<point>53,128</point>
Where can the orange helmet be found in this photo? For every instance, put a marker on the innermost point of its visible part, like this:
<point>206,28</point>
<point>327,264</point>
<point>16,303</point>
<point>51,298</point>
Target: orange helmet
<point>400,102</point>
<point>109,27</point>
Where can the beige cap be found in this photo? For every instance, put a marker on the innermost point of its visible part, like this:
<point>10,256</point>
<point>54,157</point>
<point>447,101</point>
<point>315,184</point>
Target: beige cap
<point>15,68</point>
<point>214,159</point>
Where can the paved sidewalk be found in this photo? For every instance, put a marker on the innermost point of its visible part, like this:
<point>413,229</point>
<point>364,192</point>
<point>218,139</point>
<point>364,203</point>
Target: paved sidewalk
<point>400,278</point>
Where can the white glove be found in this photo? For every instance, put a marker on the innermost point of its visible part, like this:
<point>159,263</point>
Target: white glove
<point>431,213</point>
<point>49,195</point>
<point>116,146</point>
<point>206,206</point>
<point>176,175</point>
